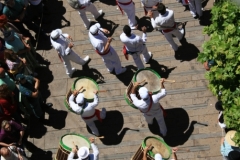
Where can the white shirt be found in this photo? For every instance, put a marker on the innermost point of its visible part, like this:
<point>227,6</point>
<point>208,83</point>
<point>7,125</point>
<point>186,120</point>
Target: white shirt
<point>93,156</point>
<point>222,125</point>
<point>133,43</point>
<point>34,2</point>
<point>124,1</point>
<point>167,20</point>
<point>12,155</point>
<point>61,45</point>
<point>83,2</point>
<point>150,3</point>
<point>143,105</point>
<point>98,41</point>
<point>88,109</point>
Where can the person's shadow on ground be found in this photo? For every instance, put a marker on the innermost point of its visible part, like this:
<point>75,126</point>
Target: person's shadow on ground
<point>37,153</point>
<point>126,77</point>
<point>162,70</point>
<point>186,52</point>
<point>178,128</point>
<point>110,128</point>
<point>56,118</point>
<point>206,19</point>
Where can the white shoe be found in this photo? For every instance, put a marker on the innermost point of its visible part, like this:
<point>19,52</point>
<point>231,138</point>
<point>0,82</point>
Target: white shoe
<point>123,70</point>
<point>86,59</point>
<point>182,31</point>
<point>100,11</point>
<point>104,113</point>
<point>150,53</point>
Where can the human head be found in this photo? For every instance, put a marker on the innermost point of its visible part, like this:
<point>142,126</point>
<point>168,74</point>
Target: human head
<point>158,156</point>
<point>3,20</point>
<point>10,3</point>
<point>218,106</point>
<point>143,92</point>
<point>234,155</point>
<point>9,36</point>
<point>6,125</point>
<point>161,8</point>
<point>2,73</point>
<point>94,28</point>
<point>83,153</point>
<point>4,152</point>
<point>8,54</point>
<point>20,78</point>
<point>55,34</point>
<point>80,99</point>
<point>127,30</point>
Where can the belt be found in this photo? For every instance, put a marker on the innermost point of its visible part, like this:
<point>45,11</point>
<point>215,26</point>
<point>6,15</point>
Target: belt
<point>122,4</point>
<point>82,7</point>
<point>101,54</point>
<point>169,30</point>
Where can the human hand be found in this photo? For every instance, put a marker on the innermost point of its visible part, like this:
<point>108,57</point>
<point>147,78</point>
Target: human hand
<point>28,47</point>
<point>12,144</point>
<point>150,14</point>
<point>109,39</point>
<point>105,31</point>
<point>136,84</point>
<point>95,92</point>
<point>148,148</point>
<point>92,139</point>
<point>144,29</point>
<point>174,149</point>
<point>154,7</point>
<point>24,61</point>
<point>162,80</point>
<point>70,45</point>
<point>70,38</point>
<point>74,149</point>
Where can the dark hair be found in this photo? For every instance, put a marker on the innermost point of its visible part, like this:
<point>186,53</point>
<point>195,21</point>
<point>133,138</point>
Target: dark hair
<point>127,30</point>
<point>5,92</point>
<point>234,155</point>
<point>218,106</point>
<point>161,8</point>
<point>10,55</point>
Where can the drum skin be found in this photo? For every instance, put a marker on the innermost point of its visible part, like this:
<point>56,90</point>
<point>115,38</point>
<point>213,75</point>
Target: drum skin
<point>66,144</point>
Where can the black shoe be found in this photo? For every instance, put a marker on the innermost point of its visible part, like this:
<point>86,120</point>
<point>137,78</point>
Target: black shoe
<point>48,105</point>
<point>196,17</point>
<point>149,59</point>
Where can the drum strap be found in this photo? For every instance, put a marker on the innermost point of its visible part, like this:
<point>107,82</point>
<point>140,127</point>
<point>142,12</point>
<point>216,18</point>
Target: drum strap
<point>96,113</point>
<point>150,105</point>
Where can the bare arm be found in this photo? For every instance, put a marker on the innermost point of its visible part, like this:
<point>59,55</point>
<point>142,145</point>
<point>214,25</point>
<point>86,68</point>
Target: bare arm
<point>37,83</point>
<point>106,47</point>
<point>21,137</point>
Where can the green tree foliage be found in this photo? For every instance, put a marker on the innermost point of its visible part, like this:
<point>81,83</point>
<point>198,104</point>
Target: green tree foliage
<point>224,48</point>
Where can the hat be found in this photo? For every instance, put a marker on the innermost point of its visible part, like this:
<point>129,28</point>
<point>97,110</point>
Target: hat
<point>218,106</point>
<point>80,98</point>
<point>143,92</point>
<point>20,77</point>
<point>158,156</point>
<point>8,35</point>
<point>94,29</point>
<point>229,138</point>
<point>234,155</point>
<point>56,33</point>
<point>83,152</point>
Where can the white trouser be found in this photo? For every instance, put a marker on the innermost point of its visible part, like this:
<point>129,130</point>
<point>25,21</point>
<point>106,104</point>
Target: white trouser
<point>74,58</point>
<point>130,11</point>
<point>90,8</point>
<point>91,124</point>
<point>160,120</point>
<point>177,33</point>
<point>195,7</point>
<point>145,56</point>
<point>112,61</point>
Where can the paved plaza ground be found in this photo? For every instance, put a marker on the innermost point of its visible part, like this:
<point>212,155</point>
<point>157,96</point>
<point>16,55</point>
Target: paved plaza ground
<point>188,100</point>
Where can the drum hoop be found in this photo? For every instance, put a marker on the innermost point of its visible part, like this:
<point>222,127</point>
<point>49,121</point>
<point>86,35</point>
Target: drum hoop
<point>66,147</point>
<point>66,103</point>
<point>149,69</point>
<point>82,77</point>
<point>150,152</point>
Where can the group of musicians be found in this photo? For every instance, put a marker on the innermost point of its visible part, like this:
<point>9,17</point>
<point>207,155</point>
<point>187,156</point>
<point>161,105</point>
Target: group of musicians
<point>161,18</point>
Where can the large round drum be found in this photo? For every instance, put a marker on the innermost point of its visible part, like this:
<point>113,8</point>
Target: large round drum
<point>151,77</point>
<point>89,86</point>
<point>159,146</point>
<point>66,145</point>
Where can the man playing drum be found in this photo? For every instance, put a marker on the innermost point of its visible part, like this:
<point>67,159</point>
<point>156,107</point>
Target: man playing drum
<point>167,24</point>
<point>62,43</point>
<point>87,109</point>
<point>102,46</point>
<point>83,152</point>
<point>149,105</point>
<point>135,45</point>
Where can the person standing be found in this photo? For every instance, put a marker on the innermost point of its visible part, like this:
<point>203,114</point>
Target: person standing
<point>102,46</point>
<point>135,45</point>
<point>62,43</point>
<point>128,6</point>
<point>149,105</point>
<point>83,152</point>
<point>166,22</point>
<point>87,110</point>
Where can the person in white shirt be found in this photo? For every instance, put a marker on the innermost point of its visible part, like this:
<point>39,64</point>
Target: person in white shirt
<point>102,46</point>
<point>62,43</point>
<point>149,105</point>
<point>128,6</point>
<point>135,45</point>
<point>219,107</point>
<point>88,6</point>
<point>166,22</point>
<point>83,152</point>
<point>149,5</point>
<point>11,153</point>
<point>87,110</point>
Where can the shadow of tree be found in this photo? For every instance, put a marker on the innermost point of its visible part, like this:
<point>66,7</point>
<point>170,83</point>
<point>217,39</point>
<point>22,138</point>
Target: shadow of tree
<point>126,77</point>
<point>206,20</point>
<point>35,128</point>
<point>56,118</point>
<point>186,52</point>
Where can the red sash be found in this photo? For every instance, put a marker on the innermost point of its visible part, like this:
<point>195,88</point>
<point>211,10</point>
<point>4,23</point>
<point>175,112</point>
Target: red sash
<point>122,4</point>
<point>101,54</point>
<point>96,113</point>
<point>150,105</point>
<point>82,7</point>
<point>148,7</point>
<point>164,112</point>
<point>169,30</point>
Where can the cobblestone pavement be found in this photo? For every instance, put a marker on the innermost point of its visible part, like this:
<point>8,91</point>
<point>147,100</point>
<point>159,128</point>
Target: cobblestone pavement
<point>188,99</point>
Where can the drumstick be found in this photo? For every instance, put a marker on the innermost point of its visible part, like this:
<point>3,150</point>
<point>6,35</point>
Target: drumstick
<point>102,90</point>
<point>172,81</point>
<point>99,137</point>
<point>184,149</point>
<point>75,145</point>
<point>142,81</point>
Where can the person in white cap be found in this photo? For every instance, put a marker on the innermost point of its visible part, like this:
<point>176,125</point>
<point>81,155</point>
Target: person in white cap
<point>129,7</point>
<point>166,22</point>
<point>149,5</point>
<point>87,110</point>
<point>62,43</point>
<point>149,105</point>
<point>102,46</point>
<point>135,45</point>
<point>83,152</point>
